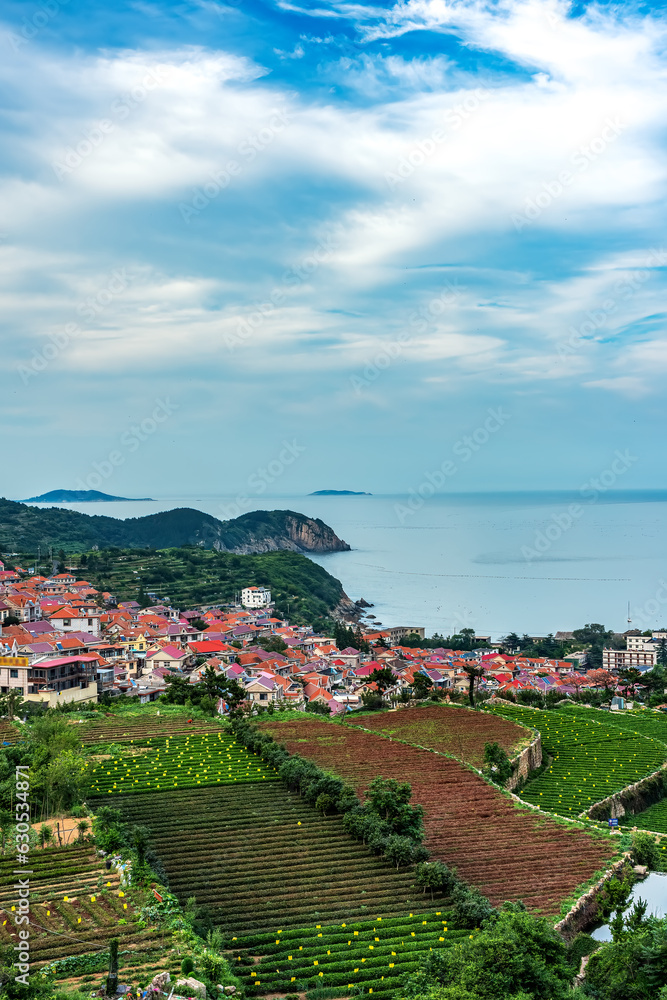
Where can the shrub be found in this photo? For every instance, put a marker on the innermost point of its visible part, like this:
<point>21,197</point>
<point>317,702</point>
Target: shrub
<point>187,966</point>
<point>645,851</point>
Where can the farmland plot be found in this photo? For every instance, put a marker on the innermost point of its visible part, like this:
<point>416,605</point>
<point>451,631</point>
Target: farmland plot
<point>506,852</point>
<point>367,956</point>
<point>118,729</point>
<point>178,762</point>
<point>591,759</point>
<point>458,732</point>
<point>76,906</point>
<point>260,858</point>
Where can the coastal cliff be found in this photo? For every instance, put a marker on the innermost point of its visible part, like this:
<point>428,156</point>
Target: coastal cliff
<point>23,528</point>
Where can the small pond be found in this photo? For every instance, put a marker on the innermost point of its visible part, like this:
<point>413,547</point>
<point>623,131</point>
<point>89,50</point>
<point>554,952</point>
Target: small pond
<point>653,889</point>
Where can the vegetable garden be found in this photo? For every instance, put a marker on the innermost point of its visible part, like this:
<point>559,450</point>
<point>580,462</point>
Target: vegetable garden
<point>76,906</point>
<point>178,762</point>
<point>591,759</point>
<point>264,859</point>
<point>504,851</point>
<point>362,957</point>
<point>454,731</point>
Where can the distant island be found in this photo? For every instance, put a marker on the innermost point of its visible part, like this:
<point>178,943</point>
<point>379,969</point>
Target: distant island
<point>339,493</point>
<point>80,496</point>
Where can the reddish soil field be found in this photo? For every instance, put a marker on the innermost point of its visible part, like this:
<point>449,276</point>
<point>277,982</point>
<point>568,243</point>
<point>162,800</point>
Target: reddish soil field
<point>455,731</point>
<point>507,852</point>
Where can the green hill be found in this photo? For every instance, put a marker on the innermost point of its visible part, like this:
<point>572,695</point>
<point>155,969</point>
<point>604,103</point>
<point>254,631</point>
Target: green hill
<point>24,528</point>
<point>301,589</point>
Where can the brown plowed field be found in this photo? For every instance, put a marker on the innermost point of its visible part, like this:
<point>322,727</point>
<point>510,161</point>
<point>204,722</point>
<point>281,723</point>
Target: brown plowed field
<point>507,852</point>
<point>455,731</point>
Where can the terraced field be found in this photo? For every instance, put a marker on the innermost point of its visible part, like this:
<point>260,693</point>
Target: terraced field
<point>119,730</point>
<point>178,762</point>
<point>459,732</point>
<point>644,723</point>
<point>262,859</point>
<point>508,853</point>
<point>366,957</point>
<point>654,818</point>
<point>591,759</point>
<point>8,732</point>
<point>76,906</point>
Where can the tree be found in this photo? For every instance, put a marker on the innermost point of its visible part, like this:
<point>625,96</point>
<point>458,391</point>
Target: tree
<point>82,826</point>
<point>630,677</point>
<point>662,652</point>
<point>399,850</point>
<point>497,764</point>
<point>421,685</point>
<point>435,876</point>
<point>384,678</point>
<point>12,703</point>
<point>112,978</point>
<point>45,835</point>
<point>474,672</point>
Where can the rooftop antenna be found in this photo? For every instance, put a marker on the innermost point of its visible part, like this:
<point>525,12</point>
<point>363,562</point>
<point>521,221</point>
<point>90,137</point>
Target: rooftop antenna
<point>629,618</point>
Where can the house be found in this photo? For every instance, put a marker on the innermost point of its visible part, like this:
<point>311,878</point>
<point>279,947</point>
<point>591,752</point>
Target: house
<point>264,689</point>
<point>170,657</point>
<point>69,619</point>
<point>61,674</point>
<point>255,597</point>
<point>14,676</point>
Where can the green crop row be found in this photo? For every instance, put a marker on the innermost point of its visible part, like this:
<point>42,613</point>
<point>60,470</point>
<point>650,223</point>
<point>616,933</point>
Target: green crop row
<point>591,759</point>
<point>179,762</point>
<point>361,956</point>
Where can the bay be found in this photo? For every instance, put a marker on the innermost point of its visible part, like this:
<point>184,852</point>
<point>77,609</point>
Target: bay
<point>534,562</point>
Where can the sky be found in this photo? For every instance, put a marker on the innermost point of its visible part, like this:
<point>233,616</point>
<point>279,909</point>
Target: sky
<point>341,241</point>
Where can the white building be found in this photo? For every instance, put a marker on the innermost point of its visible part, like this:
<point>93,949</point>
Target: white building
<point>619,659</point>
<point>255,597</point>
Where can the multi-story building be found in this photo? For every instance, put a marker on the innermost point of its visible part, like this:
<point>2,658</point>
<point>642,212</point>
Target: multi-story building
<point>620,659</point>
<point>255,597</point>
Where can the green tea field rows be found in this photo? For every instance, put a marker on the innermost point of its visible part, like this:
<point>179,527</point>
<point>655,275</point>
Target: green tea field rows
<point>76,906</point>
<point>366,956</point>
<point>260,858</point>
<point>654,818</point>
<point>119,729</point>
<point>177,762</point>
<point>456,731</point>
<point>591,759</point>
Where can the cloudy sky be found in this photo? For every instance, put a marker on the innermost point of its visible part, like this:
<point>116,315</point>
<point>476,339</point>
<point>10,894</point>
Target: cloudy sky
<point>364,230</point>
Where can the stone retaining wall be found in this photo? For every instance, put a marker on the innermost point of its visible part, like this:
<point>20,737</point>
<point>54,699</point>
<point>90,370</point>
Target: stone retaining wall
<point>528,760</point>
<point>633,798</point>
<point>584,911</point>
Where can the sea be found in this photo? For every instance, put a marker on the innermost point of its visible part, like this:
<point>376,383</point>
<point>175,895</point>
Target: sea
<point>535,562</point>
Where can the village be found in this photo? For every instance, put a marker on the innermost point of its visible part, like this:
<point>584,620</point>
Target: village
<point>77,645</point>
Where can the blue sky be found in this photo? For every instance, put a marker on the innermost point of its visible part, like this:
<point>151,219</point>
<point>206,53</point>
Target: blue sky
<point>359,228</point>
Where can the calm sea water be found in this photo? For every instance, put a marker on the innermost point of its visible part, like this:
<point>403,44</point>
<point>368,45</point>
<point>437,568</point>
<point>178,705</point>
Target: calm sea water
<point>497,562</point>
